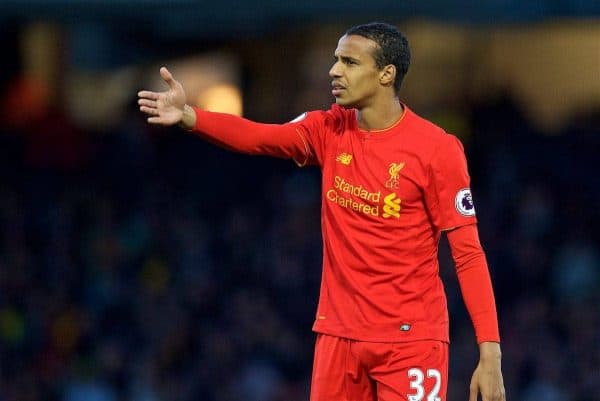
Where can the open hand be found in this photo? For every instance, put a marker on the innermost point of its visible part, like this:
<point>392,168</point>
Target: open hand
<point>164,108</point>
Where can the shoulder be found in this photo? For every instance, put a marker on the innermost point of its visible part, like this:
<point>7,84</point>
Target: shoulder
<point>433,135</point>
<point>339,112</point>
<point>338,118</point>
<point>335,120</point>
<point>427,139</point>
<point>425,130</point>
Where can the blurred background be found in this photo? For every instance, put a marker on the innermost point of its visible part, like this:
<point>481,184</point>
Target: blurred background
<point>142,264</point>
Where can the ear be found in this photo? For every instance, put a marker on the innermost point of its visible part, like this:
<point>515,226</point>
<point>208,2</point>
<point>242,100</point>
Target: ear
<point>387,76</point>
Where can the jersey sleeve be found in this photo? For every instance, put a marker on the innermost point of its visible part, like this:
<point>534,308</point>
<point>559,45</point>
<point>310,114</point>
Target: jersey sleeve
<point>447,192</point>
<point>475,282</point>
<point>301,139</point>
<point>315,127</point>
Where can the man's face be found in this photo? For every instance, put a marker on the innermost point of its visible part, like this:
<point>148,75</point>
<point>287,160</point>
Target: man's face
<point>355,76</point>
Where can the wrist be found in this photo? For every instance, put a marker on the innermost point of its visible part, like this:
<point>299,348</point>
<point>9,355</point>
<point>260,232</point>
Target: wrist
<point>489,350</point>
<point>188,119</point>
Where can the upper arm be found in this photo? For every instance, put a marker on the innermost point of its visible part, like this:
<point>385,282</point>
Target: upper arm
<point>447,193</point>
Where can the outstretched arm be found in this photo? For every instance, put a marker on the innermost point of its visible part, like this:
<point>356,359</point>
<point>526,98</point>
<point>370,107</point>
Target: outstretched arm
<point>228,131</point>
<point>476,287</point>
<point>168,107</point>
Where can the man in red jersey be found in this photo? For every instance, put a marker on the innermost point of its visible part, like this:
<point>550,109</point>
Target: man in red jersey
<point>392,183</point>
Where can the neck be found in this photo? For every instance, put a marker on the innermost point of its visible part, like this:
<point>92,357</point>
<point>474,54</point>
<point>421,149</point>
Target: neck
<point>381,116</point>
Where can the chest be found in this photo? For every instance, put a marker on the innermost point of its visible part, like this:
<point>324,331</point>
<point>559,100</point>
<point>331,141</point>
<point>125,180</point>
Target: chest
<point>372,169</point>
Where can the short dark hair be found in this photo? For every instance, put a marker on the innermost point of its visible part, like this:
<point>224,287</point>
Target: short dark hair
<point>392,47</point>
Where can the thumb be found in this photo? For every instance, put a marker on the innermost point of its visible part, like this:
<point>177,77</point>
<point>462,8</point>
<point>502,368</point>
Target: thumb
<point>167,77</point>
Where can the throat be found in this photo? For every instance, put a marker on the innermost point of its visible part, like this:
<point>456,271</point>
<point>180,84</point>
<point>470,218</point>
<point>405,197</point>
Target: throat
<point>379,120</point>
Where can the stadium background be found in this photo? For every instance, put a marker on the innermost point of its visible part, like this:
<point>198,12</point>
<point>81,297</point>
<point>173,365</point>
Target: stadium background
<point>141,264</point>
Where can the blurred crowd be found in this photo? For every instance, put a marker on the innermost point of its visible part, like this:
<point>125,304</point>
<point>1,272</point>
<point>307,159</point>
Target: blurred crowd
<point>142,264</point>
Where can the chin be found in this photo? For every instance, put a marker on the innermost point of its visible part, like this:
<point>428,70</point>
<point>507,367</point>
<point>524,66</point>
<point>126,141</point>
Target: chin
<point>344,103</point>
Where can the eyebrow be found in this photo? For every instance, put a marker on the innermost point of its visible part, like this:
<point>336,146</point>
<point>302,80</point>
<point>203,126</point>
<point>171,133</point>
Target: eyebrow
<point>346,58</point>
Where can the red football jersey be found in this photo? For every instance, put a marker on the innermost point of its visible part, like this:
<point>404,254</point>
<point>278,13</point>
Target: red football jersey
<point>386,197</point>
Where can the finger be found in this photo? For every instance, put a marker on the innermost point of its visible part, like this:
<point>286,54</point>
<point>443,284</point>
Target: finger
<point>148,95</point>
<point>473,393</point>
<point>167,77</point>
<point>147,102</point>
<point>149,110</point>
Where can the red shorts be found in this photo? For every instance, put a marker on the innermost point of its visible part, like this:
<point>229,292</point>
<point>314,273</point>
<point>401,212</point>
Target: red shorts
<point>348,370</point>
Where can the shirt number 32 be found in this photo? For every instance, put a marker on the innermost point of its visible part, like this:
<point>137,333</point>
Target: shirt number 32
<point>416,378</point>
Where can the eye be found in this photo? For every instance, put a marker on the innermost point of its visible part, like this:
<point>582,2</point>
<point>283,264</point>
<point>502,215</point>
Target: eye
<point>345,60</point>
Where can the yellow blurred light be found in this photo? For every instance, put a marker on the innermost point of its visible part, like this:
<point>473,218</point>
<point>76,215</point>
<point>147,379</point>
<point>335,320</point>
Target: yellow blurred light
<point>222,98</point>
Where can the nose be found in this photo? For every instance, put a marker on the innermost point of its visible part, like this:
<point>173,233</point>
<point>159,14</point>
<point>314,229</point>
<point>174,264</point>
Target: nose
<point>335,71</point>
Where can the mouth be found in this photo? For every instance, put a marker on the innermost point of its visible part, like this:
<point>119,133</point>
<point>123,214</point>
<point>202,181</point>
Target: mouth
<point>337,89</point>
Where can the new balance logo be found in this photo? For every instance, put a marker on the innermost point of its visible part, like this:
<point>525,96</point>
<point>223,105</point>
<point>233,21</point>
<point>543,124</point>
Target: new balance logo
<point>344,158</point>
